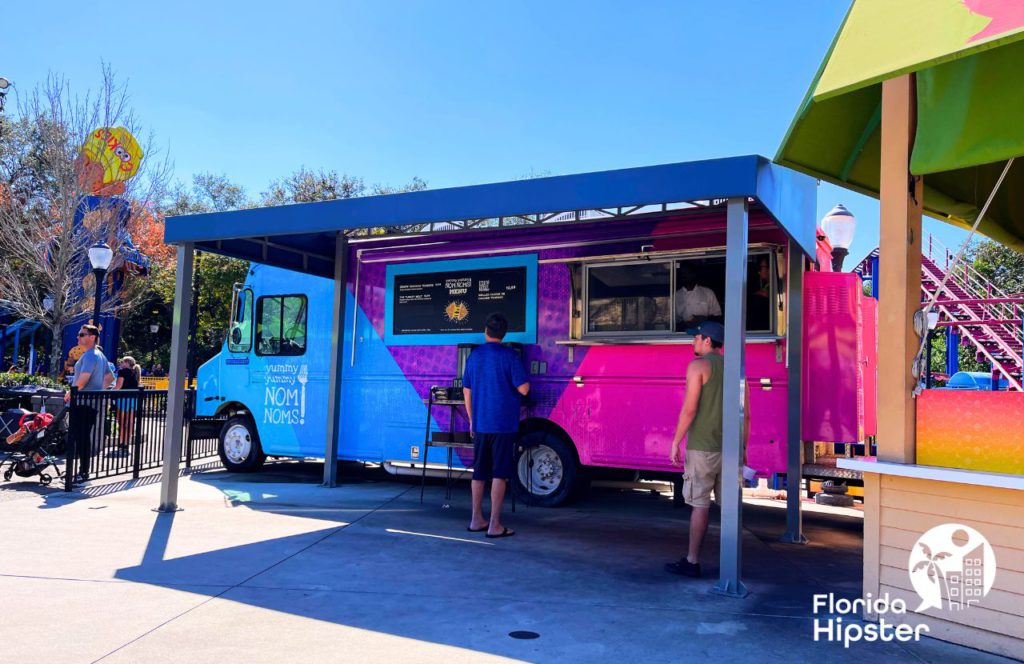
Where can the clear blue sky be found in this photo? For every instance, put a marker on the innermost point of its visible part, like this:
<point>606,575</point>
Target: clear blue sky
<point>453,92</point>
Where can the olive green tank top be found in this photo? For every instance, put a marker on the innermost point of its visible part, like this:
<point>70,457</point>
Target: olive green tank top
<point>705,433</point>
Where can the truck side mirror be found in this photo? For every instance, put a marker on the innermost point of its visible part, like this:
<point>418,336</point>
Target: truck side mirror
<point>236,336</point>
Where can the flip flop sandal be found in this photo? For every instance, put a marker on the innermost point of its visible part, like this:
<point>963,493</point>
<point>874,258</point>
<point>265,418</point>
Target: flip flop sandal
<point>505,532</point>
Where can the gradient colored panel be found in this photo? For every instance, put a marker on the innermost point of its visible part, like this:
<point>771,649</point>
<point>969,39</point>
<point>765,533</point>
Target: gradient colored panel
<point>971,430</point>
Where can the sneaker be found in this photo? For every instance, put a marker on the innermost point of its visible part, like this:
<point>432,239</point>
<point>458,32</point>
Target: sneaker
<point>684,567</point>
<point>80,478</point>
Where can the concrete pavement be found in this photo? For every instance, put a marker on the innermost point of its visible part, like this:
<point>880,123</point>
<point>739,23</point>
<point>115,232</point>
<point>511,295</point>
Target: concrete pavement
<point>273,568</point>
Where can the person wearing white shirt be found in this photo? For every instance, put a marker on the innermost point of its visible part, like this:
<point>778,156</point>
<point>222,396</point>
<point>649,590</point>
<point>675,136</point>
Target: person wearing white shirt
<point>694,302</point>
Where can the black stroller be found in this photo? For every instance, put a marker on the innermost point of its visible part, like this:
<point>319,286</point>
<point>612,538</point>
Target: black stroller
<point>34,445</point>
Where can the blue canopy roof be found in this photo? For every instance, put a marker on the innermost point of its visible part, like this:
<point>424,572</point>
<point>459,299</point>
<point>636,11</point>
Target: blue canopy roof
<point>300,236</point>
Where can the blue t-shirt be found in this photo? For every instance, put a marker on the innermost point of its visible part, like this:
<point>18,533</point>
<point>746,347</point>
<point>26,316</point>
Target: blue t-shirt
<point>493,372</point>
<point>95,364</point>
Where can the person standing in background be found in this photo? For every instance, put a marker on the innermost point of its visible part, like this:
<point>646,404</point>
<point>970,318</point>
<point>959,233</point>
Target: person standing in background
<point>494,383</point>
<point>694,302</point>
<point>700,421</point>
<point>129,374</point>
<point>92,372</point>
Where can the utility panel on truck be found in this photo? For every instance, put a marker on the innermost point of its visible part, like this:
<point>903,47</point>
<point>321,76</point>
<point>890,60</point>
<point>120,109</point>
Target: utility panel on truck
<point>839,361</point>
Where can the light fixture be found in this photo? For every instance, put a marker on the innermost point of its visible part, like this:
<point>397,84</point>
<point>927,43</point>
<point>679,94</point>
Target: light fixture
<point>933,319</point>
<point>839,224</point>
<point>154,328</point>
<point>100,256</point>
<point>4,83</point>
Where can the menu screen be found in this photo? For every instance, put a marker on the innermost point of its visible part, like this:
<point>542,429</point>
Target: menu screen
<point>459,301</point>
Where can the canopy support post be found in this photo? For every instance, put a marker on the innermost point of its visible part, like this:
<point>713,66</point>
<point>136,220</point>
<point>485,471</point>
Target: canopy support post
<point>337,362</point>
<point>900,197</point>
<point>794,354</point>
<point>733,401</point>
<point>174,423</point>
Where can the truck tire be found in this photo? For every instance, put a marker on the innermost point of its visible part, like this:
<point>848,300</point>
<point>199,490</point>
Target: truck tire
<point>547,471</point>
<point>239,445</point>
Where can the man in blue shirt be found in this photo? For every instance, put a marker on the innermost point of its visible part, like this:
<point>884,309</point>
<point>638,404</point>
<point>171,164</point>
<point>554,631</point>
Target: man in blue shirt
<point>494,382</point>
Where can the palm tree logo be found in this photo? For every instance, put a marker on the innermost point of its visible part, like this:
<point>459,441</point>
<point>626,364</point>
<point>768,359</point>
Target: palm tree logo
<point>934,570</point>
<point>951,566</point>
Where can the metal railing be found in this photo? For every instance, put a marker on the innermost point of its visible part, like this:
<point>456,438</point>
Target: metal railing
<point>116,432</point>
<point>996,303</point>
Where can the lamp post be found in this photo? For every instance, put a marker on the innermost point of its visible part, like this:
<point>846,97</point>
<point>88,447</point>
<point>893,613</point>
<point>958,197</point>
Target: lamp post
<point>48,302</point>
<point>153,329</point>
<point>100,256</point>
<point>933,322</point>
<point>4,85</point>
<point>839,224</point>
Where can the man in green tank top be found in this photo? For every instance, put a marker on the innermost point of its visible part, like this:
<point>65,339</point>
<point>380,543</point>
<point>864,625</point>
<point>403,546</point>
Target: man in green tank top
<point>700,421</point>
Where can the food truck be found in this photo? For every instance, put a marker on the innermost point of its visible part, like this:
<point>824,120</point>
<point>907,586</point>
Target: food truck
<point>600,311</point>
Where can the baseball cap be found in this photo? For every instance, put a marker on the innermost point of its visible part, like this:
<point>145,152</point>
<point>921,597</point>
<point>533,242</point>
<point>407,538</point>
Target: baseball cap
<point>711,329</point>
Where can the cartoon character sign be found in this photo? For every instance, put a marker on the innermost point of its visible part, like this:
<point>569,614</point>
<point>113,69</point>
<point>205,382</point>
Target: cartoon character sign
<point>110,157</point>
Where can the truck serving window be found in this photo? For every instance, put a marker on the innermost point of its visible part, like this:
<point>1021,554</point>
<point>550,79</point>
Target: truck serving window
<point>667,296</point>
<point>240,341</point>
<point>700,291</point>
<point>281,325</point>
<point>630,297</point>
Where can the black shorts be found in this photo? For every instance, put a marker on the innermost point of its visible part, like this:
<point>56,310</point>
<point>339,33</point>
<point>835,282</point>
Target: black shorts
<point>494,455</point>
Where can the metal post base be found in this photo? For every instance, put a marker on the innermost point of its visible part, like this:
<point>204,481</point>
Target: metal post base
<point>167,509</point>
<point>790,538</point>
<point>729,589</point>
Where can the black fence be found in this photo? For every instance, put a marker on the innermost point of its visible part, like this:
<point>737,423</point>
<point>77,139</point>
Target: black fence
<point>116,432</point>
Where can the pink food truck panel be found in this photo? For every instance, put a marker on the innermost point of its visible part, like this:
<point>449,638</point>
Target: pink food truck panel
<point>835,357</point>
<point>623,407</point>
<point>869,306</point>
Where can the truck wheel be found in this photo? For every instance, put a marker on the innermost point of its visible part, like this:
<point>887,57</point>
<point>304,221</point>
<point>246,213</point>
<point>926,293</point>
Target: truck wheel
<point>547,471</point>
<point>239,447</point>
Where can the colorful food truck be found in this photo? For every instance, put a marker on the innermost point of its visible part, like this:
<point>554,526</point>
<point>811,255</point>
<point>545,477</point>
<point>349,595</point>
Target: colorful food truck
<point>600,311</point>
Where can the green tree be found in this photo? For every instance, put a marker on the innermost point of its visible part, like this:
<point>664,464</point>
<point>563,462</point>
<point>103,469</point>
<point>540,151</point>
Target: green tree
<point>214,277</point>
<point>1002,265</point>
<point>966,355</point>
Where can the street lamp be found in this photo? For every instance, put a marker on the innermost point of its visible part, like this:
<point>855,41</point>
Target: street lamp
<point>839,224</point>
<point>100,256</point>
<point>48,305</point>
<point>4,84</point>
<point>153,329</point>
<point>933,322</point>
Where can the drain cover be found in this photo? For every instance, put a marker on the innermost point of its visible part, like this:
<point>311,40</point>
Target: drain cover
<point>522,634</point>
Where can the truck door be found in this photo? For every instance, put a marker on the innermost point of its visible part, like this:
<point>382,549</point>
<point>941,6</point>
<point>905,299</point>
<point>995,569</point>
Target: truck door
<point>234,370</point>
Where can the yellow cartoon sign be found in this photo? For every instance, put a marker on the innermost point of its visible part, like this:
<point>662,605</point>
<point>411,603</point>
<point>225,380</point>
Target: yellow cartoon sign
<point>110,156</point>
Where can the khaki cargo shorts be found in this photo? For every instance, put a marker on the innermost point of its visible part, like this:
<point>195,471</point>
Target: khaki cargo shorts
<point>702,472</point>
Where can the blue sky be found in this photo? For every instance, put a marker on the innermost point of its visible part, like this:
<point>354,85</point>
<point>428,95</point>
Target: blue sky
<point>453,92</point>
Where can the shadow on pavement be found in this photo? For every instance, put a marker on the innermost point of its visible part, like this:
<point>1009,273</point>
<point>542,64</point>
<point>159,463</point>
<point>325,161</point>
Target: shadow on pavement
<point>587,577</point>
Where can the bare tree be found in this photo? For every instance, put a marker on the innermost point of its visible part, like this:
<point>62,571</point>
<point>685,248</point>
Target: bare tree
<point>44,271</point>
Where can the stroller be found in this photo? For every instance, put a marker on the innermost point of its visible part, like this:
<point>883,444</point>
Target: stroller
<point>34,446</point>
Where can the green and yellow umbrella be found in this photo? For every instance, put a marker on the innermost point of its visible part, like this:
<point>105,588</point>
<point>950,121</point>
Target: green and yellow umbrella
<point>968,57</point>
